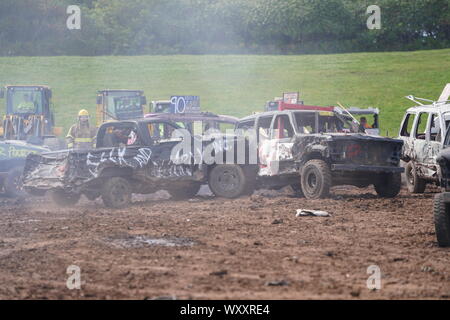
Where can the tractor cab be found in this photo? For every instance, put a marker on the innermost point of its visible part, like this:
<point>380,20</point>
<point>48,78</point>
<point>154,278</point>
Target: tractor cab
<point>119,105</point>
<point>29,115</point>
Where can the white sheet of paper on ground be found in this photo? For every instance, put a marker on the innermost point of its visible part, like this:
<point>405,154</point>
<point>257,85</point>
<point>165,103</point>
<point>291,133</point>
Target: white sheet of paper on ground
<point>316,213</point>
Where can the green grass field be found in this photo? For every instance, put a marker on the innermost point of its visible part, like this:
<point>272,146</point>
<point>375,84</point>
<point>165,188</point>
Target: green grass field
<point>240,85</point>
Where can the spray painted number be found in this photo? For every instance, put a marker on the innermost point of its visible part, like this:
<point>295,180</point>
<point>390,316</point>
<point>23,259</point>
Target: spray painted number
<point>178,104</point>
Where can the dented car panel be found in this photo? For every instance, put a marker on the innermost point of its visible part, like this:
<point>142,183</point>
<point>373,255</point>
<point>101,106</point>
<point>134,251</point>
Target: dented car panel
<point>151,165</point>
<point>423,131</point>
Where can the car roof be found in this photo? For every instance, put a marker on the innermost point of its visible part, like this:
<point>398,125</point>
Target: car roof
<point>138,121</point>
<point>204,116</point>
<point>439,107</point>
<point>272,113</point>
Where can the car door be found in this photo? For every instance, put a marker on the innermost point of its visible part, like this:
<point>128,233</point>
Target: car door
<point>406,134</point>
<point>165,163</point>
<point>422,138</point>
<point>436,137</point>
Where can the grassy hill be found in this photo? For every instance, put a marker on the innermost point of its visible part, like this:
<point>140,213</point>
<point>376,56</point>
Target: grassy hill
<point>240,85</point>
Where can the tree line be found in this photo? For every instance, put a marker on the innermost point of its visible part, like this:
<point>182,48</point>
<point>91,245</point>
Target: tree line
<point>136,27</point>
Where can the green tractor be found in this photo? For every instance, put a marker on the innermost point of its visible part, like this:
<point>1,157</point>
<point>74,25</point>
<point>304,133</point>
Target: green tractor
<point>27,127</point>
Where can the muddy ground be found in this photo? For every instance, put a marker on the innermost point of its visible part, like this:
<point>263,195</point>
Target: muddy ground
<point>207,248</point>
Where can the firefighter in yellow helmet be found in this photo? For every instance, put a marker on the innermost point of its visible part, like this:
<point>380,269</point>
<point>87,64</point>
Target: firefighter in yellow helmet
<point>82,135</point>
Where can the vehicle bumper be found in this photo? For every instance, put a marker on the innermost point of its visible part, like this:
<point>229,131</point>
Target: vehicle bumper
<point>357,168</point>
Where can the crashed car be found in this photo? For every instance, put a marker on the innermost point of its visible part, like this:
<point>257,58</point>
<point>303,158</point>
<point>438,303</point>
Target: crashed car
<point>423,131</point>
<point>135,156</point>
<point>313,148</point>
<point>12,161</point>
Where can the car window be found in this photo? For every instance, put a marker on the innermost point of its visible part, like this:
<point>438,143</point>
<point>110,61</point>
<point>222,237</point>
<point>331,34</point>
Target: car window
<point>421,129</point>
<point>435,128</point>
<point>407,125</point>
<point>120,135</point>
<point>161,131</point>
<point>282,128</point>
<point>306,122</point>
<point>246,125</point>
<point>264,126</point>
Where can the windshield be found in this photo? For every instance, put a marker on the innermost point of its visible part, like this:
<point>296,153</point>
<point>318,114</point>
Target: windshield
<point>24,101</point>
<point>323,122</point>
<point>124,105</point>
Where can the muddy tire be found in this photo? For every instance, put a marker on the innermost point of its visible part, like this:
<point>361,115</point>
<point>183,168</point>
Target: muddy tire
<point>116,193</point>
<point>316,179</point>
<point>442,220</point>
<point>413,182</point>
<point>63,198</point>
<point>13,183</point>
<point>229,181</point>
<point>388,185</point>
<point>187,192</point>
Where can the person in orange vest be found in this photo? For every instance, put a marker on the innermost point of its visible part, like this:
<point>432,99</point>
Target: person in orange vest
<point>82,135</point>
<point>364,125</point>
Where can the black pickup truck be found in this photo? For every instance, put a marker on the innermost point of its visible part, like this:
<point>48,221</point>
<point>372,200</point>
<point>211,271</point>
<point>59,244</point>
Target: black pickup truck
<point>313,148</point>
<point>137,156</point>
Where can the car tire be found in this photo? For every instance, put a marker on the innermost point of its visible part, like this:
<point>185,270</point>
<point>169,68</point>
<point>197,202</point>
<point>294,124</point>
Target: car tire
<point>13,182</point>
<point>116,193</point>
<point>187,192</point>
<point>388,185</point>
<point>229,181</point>
<point>63,198</point>
<point>442,220</point>
<point>413,182</point>
<point>316,179</point>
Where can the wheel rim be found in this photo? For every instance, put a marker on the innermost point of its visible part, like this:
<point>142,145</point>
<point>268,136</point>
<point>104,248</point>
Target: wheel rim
<point>228,180</point>
<point>312,182</point>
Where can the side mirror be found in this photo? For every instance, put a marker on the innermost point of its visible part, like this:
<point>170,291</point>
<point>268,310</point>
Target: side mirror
<point>2,93</point>
<point>99,100</point>
<point>143,100</point>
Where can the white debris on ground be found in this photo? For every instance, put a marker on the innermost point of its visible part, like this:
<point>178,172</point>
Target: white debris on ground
<point>316,213</point>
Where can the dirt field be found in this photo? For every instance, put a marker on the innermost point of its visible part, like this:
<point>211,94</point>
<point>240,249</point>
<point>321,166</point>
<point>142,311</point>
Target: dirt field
<point>207,248</point>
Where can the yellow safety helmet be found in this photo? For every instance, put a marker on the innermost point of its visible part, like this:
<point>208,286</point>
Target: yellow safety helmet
<point>84,113</point>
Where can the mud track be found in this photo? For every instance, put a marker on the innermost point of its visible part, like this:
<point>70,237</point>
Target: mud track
<point>207,248</point>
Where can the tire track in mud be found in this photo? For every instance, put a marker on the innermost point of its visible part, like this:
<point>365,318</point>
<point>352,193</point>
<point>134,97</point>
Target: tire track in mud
<point>240,248</point>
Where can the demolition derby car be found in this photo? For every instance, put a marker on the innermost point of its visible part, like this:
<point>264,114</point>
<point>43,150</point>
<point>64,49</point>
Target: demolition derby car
<point>423,131</point>
<point>313,148</point>
<point>136,156</point>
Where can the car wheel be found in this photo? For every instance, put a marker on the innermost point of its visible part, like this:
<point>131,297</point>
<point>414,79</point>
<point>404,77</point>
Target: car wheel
<point>13,183</point>
<point>388,185</point>
<point>228,181</point>
<point>414,183</point>
<point>442,220</point>
<point>316,179</point>
<point>116,193</point>
<point>64,199</point>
